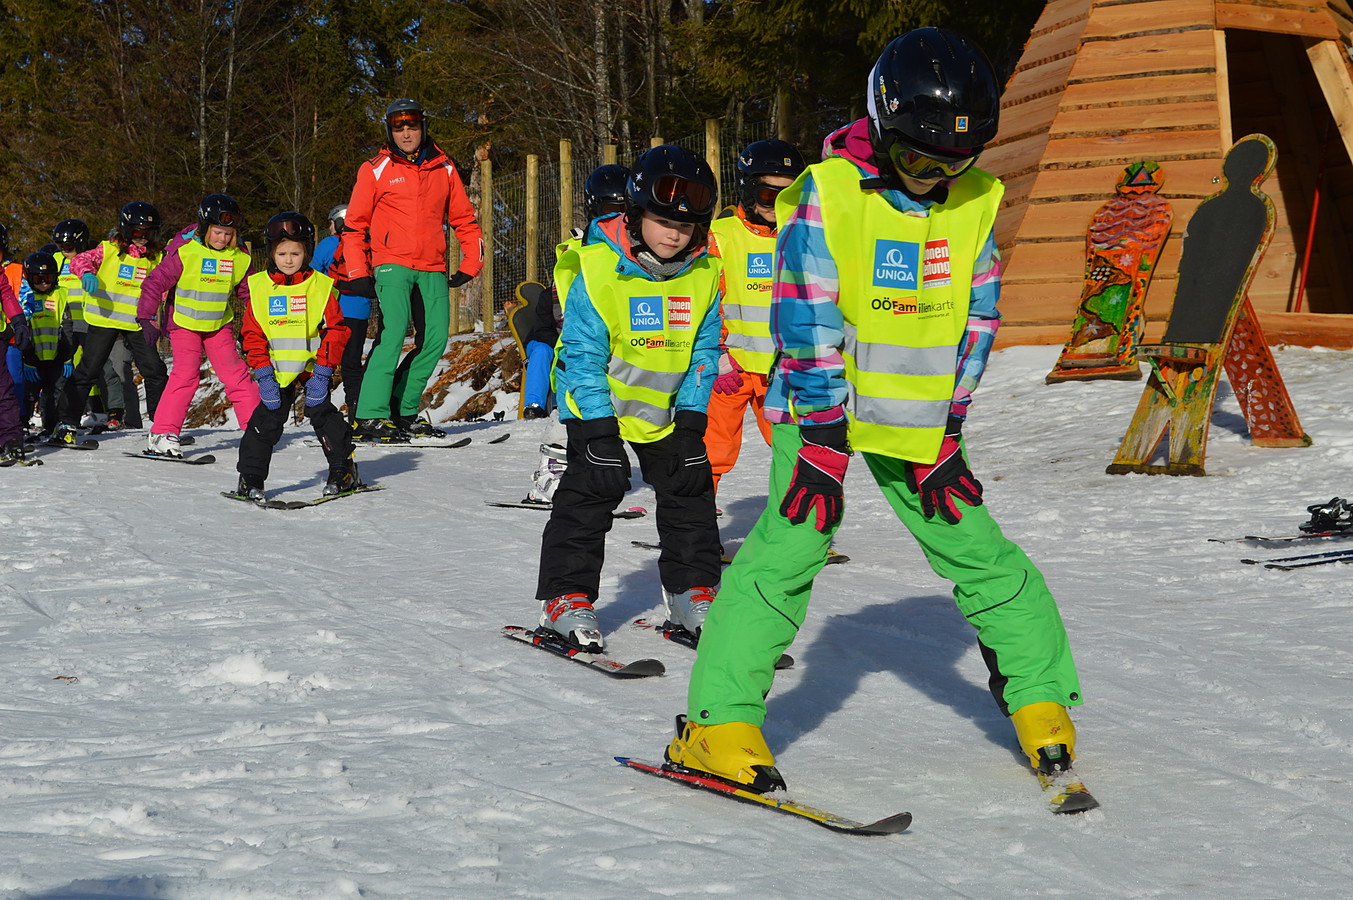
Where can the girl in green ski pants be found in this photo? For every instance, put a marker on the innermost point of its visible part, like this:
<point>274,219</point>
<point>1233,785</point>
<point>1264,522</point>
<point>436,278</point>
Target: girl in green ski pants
<point>765,594</point>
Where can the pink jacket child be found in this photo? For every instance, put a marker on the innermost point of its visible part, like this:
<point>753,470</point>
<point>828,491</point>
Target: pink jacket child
<point>202,272</point>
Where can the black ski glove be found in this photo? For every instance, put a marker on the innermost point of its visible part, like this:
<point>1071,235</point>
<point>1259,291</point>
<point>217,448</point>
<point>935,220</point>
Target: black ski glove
<point>689,468</point>
<point>358,287</point>
<point>947,479</point>
<point>596,456</point>
<point>458,279</point>
<point>23,332</point>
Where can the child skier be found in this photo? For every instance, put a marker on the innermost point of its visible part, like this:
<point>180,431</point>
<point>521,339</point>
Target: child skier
<point>356,308</point>
<point>879,354</point>
<point>746,244</point>
<point>636,359</point>
<point>52,348</point>
<point>13,328</point>
<point>293,336</point>
<point>202,273</point>
<point>111,275</point>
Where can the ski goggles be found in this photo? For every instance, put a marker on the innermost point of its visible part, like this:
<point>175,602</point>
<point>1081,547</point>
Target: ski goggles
<point>765,194</point>
<point>226,219</point>
<point>925,166</point>
<point>671,190</point>
<point>402,120</point>
<point>142,233</point>
<point>287,230</point>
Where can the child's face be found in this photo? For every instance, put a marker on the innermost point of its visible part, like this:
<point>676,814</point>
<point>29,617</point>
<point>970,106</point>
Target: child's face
<point>665,237</point>
<point>288,256</point>
<point>919,186</point>
<point>767,213</point>
<point>220,237</point>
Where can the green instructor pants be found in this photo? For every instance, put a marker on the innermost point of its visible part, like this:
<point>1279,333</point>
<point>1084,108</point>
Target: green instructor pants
<point>394,287</point>
<point>765,593</point>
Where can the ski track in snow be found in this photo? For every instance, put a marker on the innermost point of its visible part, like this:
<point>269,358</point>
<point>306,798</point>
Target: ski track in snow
<point>206,700</point>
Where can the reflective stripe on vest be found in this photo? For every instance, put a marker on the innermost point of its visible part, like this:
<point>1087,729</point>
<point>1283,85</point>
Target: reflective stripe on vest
<point>75,291</point>
<point>202,295</point>
<point>748,268</point>
<point>291,316</point>
<point>652,326</point>
<point>113,305</point>
<point>46,323</point>
<point>905,283</point>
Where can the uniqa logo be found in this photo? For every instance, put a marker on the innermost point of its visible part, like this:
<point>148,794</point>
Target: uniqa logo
<point>645,314</point>
<point>896,264</point>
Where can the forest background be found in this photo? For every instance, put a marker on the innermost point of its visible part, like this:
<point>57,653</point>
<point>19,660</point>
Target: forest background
<point>276,102</point>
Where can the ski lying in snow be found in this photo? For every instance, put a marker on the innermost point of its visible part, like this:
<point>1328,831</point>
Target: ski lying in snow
<point>833,558</point>
<point>78,445</point>
<point>548,640</point>
<point>202,460</point>
<point>1285,538</point>
<point>1066,793</point>
<point>678,635</point>
<point>701,781</point>
<point>398,445</point>
<point>1306,560</point>
<point>302,504</point>
<point>634,512</point>
<point>500,438</point>
<point>29,460</point>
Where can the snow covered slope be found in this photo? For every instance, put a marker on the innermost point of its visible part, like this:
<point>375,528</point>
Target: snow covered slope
<point>200,699</point>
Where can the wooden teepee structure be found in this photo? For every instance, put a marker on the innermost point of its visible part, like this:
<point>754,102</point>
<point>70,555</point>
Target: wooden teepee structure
<point>1103,83</point>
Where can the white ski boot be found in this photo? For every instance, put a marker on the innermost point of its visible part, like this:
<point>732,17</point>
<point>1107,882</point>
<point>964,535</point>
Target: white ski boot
<point>164,445</point>
<point>690,607</point>
<point>572,617</point>
<point>553,464</point>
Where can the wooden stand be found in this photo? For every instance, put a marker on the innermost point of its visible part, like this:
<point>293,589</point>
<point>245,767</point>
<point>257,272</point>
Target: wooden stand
<point>1213,327</point>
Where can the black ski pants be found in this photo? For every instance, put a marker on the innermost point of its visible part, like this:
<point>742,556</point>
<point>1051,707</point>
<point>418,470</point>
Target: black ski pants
<point>50,396</point>
<point>352,366</point>
<point>98,345</point>
<point>573,547</point>
<point>265,430</point>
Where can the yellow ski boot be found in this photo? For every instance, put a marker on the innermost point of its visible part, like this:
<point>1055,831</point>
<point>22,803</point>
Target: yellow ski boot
<point>1048,738</point>
<point>732,751</point>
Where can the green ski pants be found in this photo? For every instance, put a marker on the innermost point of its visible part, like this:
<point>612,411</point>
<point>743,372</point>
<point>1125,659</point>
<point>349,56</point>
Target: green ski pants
<point>764,597</point>
<point>394,288</point>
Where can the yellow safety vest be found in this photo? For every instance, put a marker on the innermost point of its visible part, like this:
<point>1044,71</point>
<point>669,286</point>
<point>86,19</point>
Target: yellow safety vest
<point>46,323</point>
<point>905,285</point>
<point>75,292</point>
<point>652,326</point>
<point>748,269</point>
<point>202,295</point>
<point>113,305</point>
<point>291,316</point>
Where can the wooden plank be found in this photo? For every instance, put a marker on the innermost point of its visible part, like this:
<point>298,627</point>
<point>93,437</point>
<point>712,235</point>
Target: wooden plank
<point>1132,18</point>
<point>1182,52</point>
<point>1016,157</point>
<point>1285,18</point>
<point>1332,72</point>
<point>1223,90</point>
<point>1032,117</point>
<point>1163,147</point>
<point>1183,178</point>
<point>1048,77</point>
<point>1199,115</point>
<point>1141,91</point>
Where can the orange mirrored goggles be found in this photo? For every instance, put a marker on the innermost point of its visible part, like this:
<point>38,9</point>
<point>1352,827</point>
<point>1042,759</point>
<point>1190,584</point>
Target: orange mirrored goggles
<point>402,120</point>
<point>670,189</point>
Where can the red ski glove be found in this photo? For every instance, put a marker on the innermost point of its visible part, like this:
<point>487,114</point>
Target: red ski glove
<point>728,381</point>
<point>947,478</point>
<point>815,487</point>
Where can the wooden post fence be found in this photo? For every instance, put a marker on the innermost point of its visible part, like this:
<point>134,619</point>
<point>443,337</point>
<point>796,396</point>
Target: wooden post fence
<point>712,149</point>
<point>565,189</point>
<point>486,225</point>
<point>532,214</point>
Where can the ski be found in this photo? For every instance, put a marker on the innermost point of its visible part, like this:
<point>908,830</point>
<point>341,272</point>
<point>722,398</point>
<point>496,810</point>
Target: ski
<point>833,558</point>
<point>1066,793</point>
<point>30,460</point>
<point>548,640</point>
<point>302,504</point>
<point>678,635</point>
<point>1304,562</point>
<point>1301,558</point>
<point>893,824</point>
<point>78,445</point>
<point>634,512</point>
<point>400,445</point>
<point>202,460</point>
<point>500,438</point>
<point>1284,538</point>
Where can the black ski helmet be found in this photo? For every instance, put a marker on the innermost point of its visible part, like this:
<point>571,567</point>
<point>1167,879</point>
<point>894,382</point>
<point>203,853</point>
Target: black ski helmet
<point>337,215</point>
<point>73,233</point>
<point>935,93</point>
<point>410,110</point>
<point>40,268</point>
<point>289,226</point>
<point>768,157</point>
<point>138,216</point>
<point>672,182</point>
<point>605,186</point>
<point>218,209</point>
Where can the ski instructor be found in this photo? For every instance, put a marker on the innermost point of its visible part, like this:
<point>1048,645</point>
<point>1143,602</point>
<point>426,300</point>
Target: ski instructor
<point>394,246</point>
<point>883,313</point>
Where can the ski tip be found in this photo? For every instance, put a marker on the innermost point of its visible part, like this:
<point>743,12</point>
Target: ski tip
<point>501,438</point>
<point>895,824</point>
